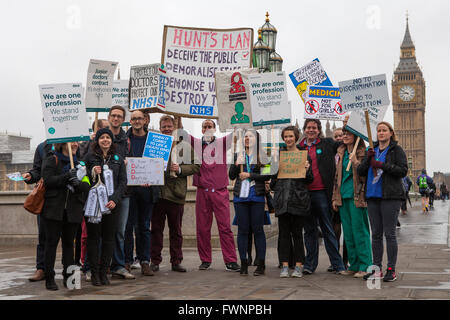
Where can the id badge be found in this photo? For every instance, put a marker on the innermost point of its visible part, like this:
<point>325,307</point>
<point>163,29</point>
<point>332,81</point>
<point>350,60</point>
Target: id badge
<point>102,199</point>
<point>245,189</point>
<point>109,180</point>
<point>378,176</point>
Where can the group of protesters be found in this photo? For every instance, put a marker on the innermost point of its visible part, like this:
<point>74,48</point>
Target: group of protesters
<point>345,183</point>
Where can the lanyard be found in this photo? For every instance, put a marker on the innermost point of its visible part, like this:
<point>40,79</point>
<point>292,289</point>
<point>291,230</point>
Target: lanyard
<point>378,155</point>
<point>248,160</point>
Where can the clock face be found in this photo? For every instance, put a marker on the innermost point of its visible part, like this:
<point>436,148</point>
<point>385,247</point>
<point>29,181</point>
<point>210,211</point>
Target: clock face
<point>406,93</point>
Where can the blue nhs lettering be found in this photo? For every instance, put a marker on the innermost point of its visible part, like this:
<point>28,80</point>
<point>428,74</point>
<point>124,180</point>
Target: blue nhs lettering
<point>202,110</point>
<point>144,103</point>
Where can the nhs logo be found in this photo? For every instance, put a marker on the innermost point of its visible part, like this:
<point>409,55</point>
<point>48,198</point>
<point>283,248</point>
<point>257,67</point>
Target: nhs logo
<point>202,110</point>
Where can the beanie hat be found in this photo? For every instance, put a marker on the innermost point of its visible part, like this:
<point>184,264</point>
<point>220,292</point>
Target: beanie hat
<point>101,132</point>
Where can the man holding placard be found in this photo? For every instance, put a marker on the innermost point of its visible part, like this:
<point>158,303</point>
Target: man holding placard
<point>171,203</point>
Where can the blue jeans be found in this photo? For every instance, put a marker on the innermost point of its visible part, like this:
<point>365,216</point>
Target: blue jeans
<point>118,259</point>
<point>140,215</point>
<point>250,215</point>
<point>320,211</point>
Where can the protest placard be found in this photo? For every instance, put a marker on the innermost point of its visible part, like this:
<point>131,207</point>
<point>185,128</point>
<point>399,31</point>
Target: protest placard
<point>323,103</point>
<point>147,87</point>
<point>292,164</point>
<point>65,116</point>
<point>268,97</point>
<point>120,98</point>
<point>145,171</point>
<point>310,74</point>
<point>158,145</point>
<point>99,85</point>
<point>233,98</point>
<point>357,121</point>
<point>191,57</point>
<point>363,93</point>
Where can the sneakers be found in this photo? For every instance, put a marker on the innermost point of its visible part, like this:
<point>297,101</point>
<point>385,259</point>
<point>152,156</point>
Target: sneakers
<point>232,266</point>
<point>124,274</point>
<point>390,275</point>
<point>146,270</point>
<point>360,274</point>
<point>297,272</point>
<point>154,267</point>
<point>307,271</point>
<point>373,275</point>
<point>346,272</point>
<point>136,264</point>
<point>178,268</point>
<point>88,276</point>
<point>204,266</point>
<point>284,272</point>
<point>330,269</point>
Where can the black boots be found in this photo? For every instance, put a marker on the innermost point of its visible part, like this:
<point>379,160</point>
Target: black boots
<point>261,267</point>
<point>103,277</point>
<point>95,279</point>
<point>50,283</point>
<point>244,267</point>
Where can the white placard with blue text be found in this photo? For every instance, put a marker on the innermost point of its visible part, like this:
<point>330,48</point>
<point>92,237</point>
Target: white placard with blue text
<point>158,145</point>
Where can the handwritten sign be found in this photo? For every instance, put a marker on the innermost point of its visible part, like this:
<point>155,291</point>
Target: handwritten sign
<point>99,85</point>
<point>269,100</point>
<point>142,171</point>
<point>310,74</point>
<point>324,103</point>
<point>292,164</point>
<point>357,121</point>
<point>65,116</point>
<point>146,87</point>
<point>364,93</point>
<point>191,57</point>
<point>158,145</point>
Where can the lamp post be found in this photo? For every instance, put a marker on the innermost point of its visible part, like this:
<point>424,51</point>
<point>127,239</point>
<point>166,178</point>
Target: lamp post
<point>261,53</point>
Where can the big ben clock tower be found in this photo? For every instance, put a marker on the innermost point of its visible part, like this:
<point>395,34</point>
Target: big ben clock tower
<point>408,100</point>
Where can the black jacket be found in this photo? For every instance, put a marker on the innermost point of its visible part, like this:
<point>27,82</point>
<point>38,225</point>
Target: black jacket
<point>260,189</point>
<point>394,169</point>
<point>39,155</point>
<point>291,195</point>
<point>116,164</point>
<point>57,196</point>
<point>123,145</point>
<point>326,162</point>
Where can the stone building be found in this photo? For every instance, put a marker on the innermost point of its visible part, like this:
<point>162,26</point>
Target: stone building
<point>408,100</point>
<point>15,156</point>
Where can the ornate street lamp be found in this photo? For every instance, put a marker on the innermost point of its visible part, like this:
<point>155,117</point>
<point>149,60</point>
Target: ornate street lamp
<point>275,62</point>
<point>261,53</point>
<point>269,33</point>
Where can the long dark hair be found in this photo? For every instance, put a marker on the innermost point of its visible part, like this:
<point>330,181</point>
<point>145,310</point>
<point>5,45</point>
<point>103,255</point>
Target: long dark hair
<point>95,147</point>
<point>254,132</point>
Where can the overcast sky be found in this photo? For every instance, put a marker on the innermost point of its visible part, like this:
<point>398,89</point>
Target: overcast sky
<point>52,41</point>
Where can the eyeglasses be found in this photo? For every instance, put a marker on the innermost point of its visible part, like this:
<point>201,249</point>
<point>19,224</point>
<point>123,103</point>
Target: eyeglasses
<point>208,127</point>
<point>118,116</point>
<point>137,119</point>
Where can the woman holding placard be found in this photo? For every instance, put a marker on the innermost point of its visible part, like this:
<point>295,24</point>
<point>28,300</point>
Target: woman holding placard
<point>292,204</point>
<point>249,200</point>
<point>63,208</point>
<point>102,162</point>
<point>349,200</point>
<point>384,166</point>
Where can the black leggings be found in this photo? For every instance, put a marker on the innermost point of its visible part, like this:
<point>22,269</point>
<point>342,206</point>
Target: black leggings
<point>54,230</point>
<point>291,230</point>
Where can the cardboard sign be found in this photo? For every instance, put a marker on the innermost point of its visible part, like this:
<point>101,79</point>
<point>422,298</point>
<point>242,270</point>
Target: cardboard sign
<point>357,122</point>
<point>310,74</point>
<point>120,98</point>
<point>269,100</point>
<point>158,145</point>
<point>147,87</point>
<point>99,85</point>
<point>145,171</point>
<point>292,164</point>
<point>65,116</point>
<point>233,98</point>
<point>191,57</point>
<point>323,103</point>
<point>364,93</point>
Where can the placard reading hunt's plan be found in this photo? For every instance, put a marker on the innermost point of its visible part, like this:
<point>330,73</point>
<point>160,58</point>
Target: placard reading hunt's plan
<point>323,103</point>
<point>233,98</point>
<point>191,57</point>
<point>147,87</point>
<point>158,145</point>
<point>268,97</point>
<point>65,116</point>
<point>310,74</point>
<point>357,121</point>
<point>145,171</point>
<point>364,93</point>
<point>99,85</point>
<point>120,98</point>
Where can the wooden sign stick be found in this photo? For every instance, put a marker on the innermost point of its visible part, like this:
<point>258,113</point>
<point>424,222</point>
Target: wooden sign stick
<point>69,147</point>
<point>353,153</point>
<point>96,122</point>
<point>369,132</point>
